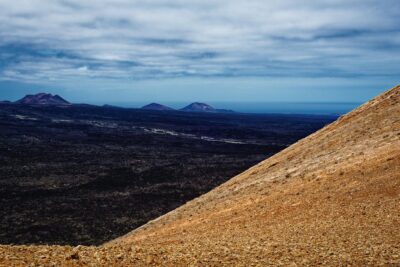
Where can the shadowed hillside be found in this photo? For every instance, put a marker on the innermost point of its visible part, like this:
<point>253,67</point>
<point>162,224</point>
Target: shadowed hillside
<point>329,199</point>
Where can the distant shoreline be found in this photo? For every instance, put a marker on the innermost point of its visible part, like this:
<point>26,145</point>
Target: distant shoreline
<point>295,108</point>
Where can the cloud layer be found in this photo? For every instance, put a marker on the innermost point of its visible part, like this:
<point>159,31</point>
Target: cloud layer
<point>60,40</point>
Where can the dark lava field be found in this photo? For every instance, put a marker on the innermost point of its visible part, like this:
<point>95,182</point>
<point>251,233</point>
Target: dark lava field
<point>83,174</point>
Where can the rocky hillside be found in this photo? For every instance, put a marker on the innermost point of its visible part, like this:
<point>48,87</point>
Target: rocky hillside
<point>331,199</point>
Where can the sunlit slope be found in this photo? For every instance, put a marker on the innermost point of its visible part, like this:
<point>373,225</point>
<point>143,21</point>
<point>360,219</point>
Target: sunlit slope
<point>333,197</point>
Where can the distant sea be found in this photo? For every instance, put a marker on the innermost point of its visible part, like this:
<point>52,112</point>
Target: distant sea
<point>320,108</point>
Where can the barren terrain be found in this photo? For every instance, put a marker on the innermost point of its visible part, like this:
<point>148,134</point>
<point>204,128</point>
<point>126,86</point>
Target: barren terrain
<point>331,199</point>
<point>83,175</point>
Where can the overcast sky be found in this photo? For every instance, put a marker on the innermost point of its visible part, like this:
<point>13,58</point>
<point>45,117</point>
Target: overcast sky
<point>254,50</point>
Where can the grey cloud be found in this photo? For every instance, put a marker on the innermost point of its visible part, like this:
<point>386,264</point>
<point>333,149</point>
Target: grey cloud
<point>54,40</point>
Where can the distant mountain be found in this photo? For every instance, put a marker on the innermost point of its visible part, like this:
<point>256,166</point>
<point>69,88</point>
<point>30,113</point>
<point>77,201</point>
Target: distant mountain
<point>156,106</point>
<point>43,99</point>
<point>199,107</point>
<point>5,102</point>
<point>202,107</point>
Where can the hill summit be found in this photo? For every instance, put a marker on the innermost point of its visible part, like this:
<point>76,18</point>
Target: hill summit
<point>156,106</point>
<point>202,107</point>
<point>42,99</point>
<point>199,107</point>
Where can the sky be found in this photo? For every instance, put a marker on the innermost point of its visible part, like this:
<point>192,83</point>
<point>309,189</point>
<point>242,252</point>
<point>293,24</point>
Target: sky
<point>123,51</point>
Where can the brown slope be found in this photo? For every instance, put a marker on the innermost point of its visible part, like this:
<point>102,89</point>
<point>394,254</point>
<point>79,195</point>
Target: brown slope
<point>332,196</point>
<point>331,199</point>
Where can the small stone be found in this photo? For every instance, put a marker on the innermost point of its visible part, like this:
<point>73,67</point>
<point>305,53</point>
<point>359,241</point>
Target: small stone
<point>74,254</point>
